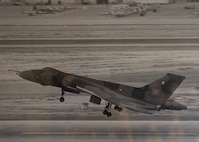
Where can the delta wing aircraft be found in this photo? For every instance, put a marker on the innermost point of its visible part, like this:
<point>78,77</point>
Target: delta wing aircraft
<point>155,96</point>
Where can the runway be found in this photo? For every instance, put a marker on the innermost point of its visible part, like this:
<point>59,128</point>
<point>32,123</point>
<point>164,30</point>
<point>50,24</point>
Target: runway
<point>108,131</point>
<point>120,41</point>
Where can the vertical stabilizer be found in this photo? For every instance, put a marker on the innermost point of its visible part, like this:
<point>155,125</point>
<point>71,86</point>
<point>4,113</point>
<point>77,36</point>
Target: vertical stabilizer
<point>161,90</point>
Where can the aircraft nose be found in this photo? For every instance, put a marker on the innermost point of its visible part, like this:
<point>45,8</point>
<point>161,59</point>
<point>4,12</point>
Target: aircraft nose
<point>28,75</point>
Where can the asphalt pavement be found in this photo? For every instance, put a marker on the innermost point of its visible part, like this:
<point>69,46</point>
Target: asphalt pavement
<point>101,41</point>
<point>108,131</point>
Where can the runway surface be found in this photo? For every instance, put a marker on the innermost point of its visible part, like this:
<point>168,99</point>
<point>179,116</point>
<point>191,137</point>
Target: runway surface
<point>99,41</point>
<point>107,131</point>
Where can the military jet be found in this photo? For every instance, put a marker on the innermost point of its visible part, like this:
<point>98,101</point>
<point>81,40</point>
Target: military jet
<point>155,96</point>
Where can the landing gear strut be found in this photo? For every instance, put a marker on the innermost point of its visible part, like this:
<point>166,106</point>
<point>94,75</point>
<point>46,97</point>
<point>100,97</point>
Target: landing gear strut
<point>61,99</point>
<point>106,110</point>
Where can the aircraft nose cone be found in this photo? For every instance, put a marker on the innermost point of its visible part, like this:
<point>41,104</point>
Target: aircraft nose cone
<point>28,75</point>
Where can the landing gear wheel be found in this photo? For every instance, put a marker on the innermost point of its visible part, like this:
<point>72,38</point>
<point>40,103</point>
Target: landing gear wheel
<point>61,99</point>
<point>109,114</point>
<point>120,109</point>
<point>116,107</point>
<point>105,112</point>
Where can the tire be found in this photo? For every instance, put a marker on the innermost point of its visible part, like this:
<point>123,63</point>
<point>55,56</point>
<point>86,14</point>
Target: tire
<point>120,109</point>
<point>116,107</point>
<point>61,99</point>
<point>105,112</point>
<point>109,114</point>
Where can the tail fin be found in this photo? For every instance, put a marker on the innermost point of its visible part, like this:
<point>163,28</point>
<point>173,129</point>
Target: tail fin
<point>165,86</point>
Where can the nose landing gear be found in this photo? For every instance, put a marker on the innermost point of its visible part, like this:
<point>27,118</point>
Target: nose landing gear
<point>61,99</point>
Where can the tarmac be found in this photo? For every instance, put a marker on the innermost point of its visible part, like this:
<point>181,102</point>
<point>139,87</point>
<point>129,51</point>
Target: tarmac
<point>107,131</point>
<point>93,15</point>
<point>171,20</point>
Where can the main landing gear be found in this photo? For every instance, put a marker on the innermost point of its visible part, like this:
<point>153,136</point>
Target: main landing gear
<point>108,107</point>
<point>106,110</point>
<point>61,99</point>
